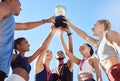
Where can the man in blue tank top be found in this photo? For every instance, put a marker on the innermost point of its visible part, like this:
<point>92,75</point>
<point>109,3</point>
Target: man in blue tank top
<point>9,8</point>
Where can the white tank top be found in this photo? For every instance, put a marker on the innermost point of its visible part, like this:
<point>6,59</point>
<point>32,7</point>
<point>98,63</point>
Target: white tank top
<point>86,67</point>
<point>105,49</point>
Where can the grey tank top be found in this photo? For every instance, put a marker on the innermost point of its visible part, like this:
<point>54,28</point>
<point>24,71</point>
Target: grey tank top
<point>105,50</point>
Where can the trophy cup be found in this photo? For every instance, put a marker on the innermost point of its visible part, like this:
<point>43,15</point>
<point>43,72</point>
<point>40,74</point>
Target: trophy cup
<point>60,18</point>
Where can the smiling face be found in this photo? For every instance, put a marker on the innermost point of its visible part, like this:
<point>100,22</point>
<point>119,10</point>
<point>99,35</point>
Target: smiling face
<point>86,49</point>
<point>23,46</point>
<point>60,55</point>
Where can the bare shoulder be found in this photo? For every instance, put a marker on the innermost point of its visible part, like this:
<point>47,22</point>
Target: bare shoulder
<point>4,10</point>
<point>112,33</point>
<point>112,36</point>
<point>94,58</point>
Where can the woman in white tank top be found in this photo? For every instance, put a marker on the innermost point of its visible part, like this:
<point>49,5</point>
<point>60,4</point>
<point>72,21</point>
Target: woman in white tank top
<point>88,65</point>
<point>108,45</point>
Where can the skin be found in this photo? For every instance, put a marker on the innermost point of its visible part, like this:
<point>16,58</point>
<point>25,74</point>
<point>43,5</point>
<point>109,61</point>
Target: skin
<point>45,55</point>
<point>14,6</point>
<point>61,55</point>
<point>85,51</point>
<point>24,47</point>
<point>99,30</point>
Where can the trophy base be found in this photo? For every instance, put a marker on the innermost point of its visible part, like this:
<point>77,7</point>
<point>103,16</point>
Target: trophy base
<point>59,21</point>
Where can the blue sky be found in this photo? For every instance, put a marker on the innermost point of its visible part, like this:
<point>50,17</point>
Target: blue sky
<point>82,13</point>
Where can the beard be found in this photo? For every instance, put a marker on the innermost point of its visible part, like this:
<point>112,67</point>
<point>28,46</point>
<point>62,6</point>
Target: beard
<point>60,58</point>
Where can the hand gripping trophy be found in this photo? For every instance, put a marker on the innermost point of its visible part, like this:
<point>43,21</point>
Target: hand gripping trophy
<point>60,19</point>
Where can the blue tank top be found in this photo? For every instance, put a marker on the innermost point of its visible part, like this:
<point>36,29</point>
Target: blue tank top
<point>7,27</point>
<point>42,76</point>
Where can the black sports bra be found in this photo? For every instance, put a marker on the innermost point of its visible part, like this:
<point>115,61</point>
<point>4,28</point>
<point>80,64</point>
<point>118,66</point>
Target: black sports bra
<point>20,62</point>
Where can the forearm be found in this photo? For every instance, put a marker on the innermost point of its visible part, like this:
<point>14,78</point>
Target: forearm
<point>84,35</point>
<point>70,45</point>
<point>47,40</point>
<point>99,78</point>
<point>68,53</point>
<point>29,25</point>
<point>79,31</point>
<point>43,48</point>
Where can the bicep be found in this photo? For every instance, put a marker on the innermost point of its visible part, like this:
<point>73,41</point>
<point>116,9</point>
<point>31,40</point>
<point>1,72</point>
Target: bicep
<point>39,62</point>
<point>20,26</point>
<point>39,66</point>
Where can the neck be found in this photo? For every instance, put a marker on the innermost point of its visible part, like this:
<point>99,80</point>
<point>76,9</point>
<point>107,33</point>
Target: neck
<point>86,56</point>
<point>101,35</point>
<point>47,63</point>
<point>22,53</point>
<point>60,62</point>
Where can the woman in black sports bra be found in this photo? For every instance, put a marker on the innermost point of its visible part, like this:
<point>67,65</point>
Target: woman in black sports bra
<point>21,64</point>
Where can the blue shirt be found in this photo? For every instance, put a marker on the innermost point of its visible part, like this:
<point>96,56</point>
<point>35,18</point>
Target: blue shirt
<point>7,27</point>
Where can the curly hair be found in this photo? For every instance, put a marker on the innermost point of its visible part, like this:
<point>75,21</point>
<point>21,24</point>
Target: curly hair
<point>106,24</point>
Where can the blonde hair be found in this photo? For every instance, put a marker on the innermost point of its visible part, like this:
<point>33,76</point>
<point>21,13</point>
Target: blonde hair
<point>106,24</point>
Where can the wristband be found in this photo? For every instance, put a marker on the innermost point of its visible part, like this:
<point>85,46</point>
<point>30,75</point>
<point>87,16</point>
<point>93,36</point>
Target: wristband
<point>43,20</point>
<point>69,34</point>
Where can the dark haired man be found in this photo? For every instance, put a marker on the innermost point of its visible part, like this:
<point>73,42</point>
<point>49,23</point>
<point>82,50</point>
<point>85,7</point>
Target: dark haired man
<point>9,8</point>
<point>64,71</point>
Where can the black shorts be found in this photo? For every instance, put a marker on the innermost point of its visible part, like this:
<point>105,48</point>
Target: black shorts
<point>2,76</point>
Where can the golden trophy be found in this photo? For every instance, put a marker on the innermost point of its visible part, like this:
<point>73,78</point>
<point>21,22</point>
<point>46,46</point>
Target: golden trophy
<point>60,18</point>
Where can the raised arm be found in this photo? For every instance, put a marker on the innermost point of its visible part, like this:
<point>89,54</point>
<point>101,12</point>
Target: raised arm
<point>31,25</point>
<point>70,46</point>
<point>43,47</point>
<point>82,34</point>
<point>42,50</point>
<point>69,54</point>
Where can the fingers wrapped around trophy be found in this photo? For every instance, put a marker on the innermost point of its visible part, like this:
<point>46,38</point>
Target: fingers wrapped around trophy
<point>60,18</point>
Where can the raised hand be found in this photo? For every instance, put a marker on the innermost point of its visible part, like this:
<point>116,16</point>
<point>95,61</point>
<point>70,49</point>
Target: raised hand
<point>54,29</point>
<point>61,29</point>
<point>51,19</point>
<point>68,22</point>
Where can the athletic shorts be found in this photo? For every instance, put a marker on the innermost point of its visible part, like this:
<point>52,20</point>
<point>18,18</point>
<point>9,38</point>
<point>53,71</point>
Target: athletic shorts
<point>114,73</point>
<point>15,77</point>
